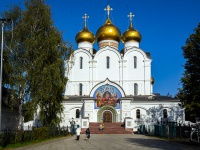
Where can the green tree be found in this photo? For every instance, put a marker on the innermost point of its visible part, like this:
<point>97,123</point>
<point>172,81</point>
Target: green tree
<point>189,93</point>
<point>37,54</point>
<point>13,65</point>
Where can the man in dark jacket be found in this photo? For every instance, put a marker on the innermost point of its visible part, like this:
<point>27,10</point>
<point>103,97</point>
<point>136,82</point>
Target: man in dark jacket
<point>87,134</point>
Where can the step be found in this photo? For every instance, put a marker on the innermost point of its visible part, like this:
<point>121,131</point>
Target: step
<point>109,128</point>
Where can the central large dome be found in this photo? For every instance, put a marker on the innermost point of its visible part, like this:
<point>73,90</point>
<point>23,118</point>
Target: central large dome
<point>108,32</point>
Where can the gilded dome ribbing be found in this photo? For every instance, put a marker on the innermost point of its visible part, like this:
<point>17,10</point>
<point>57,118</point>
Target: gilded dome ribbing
<point>85,36</point>
<point>131,34</point>
<point>108,32</point>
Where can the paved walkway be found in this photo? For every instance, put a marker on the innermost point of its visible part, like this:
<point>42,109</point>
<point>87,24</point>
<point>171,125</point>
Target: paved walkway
<point>110,142</point>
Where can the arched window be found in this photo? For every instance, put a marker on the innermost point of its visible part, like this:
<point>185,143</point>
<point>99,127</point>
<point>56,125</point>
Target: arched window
<point>80,89</point>
<point>138,114</point>
<point>107,62</point>
<point>81,62</point>
<point>165,113</point>
<point>135,89</point>
<point>135,62</point>
<point>77,113</point>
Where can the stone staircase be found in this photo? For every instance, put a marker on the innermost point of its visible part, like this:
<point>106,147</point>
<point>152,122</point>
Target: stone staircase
<point>109,128</point>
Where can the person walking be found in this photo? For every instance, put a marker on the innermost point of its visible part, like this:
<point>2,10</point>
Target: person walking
<point>78,132</point>
<point>87,134</point>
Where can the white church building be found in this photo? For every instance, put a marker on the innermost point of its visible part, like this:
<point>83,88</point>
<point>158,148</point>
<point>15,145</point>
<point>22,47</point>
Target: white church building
<point>108,85</point>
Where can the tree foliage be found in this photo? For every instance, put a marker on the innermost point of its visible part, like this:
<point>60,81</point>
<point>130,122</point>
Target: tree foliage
<point>189,93</point>
<point>36,53</point>
<point>13,67</point>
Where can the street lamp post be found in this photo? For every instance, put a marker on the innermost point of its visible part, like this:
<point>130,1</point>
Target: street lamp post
<point>3,22</point>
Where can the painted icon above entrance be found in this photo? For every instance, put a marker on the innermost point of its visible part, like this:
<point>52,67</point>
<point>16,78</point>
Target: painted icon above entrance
<point>107,95</point>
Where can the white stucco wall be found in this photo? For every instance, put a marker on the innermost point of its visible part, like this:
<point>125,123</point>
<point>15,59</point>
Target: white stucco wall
<point>102,72</point>
<point>121,70</point>
<point>150,112</point>
<point>70,112</point>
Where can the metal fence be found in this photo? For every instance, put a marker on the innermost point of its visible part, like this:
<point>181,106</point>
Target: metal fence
<point>172,131</point>
<point>168,131</point>
<point>19,136</point>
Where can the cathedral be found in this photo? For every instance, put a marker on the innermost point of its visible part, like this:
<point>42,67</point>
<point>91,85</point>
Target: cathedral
<point>108,85</point>
<point>112,85</point>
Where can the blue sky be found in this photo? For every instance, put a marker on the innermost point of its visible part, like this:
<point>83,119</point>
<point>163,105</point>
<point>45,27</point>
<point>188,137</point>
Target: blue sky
<point>164,25</point>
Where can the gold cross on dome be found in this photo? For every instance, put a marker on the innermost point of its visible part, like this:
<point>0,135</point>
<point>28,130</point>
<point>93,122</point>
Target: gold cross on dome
<point>108,8</point>
<point>130,17</point>
<point>85,17</point>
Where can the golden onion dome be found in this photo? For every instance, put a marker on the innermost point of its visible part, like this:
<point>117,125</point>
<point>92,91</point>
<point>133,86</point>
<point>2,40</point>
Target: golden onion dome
<point>131,34</point>
<point>152,80</point>
<point>108,32</point>
<point>85,36</point>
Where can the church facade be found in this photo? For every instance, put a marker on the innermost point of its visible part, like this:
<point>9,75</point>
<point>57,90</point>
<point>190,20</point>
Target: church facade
<point>111,86</point>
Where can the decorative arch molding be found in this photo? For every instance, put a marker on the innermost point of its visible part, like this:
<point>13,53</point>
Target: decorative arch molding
<point>137,50</point>
<point>104,109</point>
<point>74,108</point>
<point>81,51</point>
<point>110,49</point>
<point>139,108</point>
<point>107,82</point>
<point>167,108</point>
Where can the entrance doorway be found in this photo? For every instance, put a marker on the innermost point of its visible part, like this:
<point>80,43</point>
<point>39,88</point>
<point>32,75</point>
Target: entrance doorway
<point>107,116</point>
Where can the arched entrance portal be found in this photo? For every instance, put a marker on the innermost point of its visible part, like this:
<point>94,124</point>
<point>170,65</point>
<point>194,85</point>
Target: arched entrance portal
<point>107,116</point>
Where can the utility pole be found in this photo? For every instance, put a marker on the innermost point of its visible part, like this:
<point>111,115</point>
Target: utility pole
<point>3,22</point>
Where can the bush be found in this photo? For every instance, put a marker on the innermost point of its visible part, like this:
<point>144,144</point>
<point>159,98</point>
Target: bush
<point>3,140</point>
<point>40,133</point>
<point>28,136</point>
<point>19,136</point>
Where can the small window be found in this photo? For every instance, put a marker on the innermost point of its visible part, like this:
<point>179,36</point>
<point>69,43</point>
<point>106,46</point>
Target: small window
<point>138,114</point>
<point>80,89</point>
<point>165,113</point>
<point>81,62</point>
<point>77,113</point>
<point>135,62</point>
<point>135,89</point>
<point>107,62</point>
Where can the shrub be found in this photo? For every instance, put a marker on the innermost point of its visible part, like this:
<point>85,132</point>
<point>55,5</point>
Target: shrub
<point>40,133</point>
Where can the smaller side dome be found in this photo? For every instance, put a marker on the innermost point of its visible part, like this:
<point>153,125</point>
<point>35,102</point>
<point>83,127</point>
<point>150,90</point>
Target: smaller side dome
<point>131,34</point>
<point>152,80</point>
<point>85,36</point>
